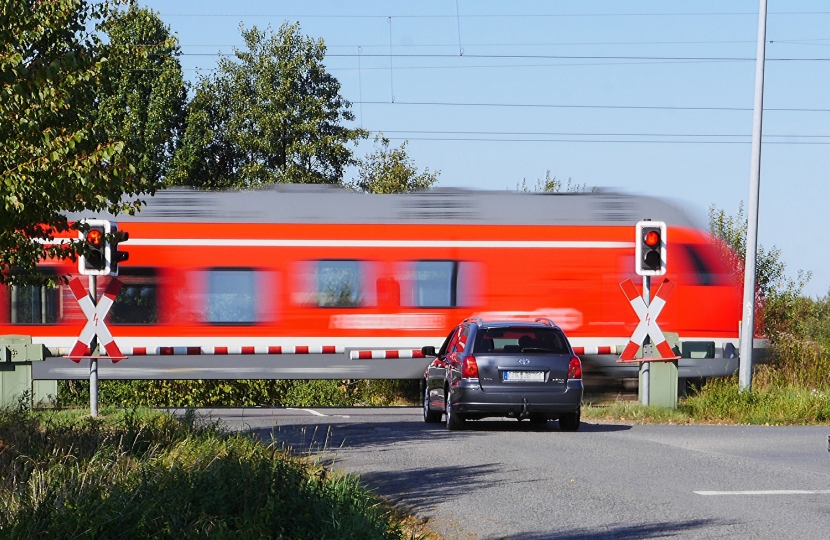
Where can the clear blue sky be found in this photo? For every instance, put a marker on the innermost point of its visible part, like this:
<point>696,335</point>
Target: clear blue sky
<point>643,96</point>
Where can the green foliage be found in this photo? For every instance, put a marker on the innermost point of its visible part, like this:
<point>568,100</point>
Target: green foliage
<point>551,184</point>
<point>391,170</point>
<point>776,292</point>
<point>53,157</point>
<point>288,393</point>
<point>139,474</point>
<point>271,115</point>
<point>142,95</point>
<point>720,400</point>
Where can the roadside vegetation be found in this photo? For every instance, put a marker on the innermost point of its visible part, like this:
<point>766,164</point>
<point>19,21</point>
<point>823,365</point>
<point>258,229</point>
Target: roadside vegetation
<point>793,387</point>
<point>229,393</point>
<point>143,474</point>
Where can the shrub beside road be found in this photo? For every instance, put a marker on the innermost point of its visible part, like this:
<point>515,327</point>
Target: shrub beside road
<point>146,474</point>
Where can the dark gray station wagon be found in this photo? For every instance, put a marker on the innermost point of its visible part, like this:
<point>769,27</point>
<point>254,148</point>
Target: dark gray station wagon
<point>513,369</point>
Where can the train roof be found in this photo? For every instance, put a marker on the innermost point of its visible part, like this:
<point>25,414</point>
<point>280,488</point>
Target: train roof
<point>297,203</point>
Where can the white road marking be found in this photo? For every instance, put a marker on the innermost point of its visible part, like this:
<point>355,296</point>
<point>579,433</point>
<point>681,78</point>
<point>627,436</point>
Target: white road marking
<point>309,411</point>
<point>317,413</point>
<point>768,492</point>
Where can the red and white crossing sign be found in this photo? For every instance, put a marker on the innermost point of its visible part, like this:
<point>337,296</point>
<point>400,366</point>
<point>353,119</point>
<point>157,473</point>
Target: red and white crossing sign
<point>648,321</point>
<point>95,324</point>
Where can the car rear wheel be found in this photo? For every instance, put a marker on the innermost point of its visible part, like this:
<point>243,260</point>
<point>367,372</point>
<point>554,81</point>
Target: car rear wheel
<point>430,416</point>
<point>452,420</point>
<point>570,421</point>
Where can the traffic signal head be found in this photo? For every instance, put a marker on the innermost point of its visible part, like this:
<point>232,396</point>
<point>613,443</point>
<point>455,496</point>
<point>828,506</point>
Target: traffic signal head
<point>96,258</point>
<point>117,256</point>
<point>650,255</point>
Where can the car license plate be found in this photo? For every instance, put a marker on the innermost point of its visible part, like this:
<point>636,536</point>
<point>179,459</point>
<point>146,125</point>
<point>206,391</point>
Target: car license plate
<point>524,376</point>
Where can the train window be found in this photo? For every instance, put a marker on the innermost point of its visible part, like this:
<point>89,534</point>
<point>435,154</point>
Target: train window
<point>338,283</point>
<point>31,304</point>
<point>231,296</point>
<point>137,301</point>
<point>704,271</point>
<point>432,284</point>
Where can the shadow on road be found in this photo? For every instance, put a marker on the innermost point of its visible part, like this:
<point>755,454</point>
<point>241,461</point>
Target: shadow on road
<point>427,486</point>
<point>331,435</point>
<point>667,529</point>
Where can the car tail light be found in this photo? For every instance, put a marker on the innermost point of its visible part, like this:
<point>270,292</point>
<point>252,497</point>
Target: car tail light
<point>575,368</point>
<point>469,369</point>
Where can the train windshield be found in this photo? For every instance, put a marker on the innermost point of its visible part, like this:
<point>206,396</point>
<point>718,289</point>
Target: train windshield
<point>521,339</point>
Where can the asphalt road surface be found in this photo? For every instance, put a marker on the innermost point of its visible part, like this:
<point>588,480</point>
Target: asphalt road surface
<point>505,479</point>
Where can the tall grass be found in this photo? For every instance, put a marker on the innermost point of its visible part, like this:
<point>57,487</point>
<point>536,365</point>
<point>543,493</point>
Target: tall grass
<point>141,475</point>
<point>793,388</point>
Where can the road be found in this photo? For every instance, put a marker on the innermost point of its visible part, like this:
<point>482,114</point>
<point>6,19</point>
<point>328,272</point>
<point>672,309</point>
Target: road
<point>505,479</point>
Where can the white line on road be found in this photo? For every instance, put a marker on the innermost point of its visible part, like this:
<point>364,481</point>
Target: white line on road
<point>769,492</point>
<point>316,413</point>
<point>309,411</point>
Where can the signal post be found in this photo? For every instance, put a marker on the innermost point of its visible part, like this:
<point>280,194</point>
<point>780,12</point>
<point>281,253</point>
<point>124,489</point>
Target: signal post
<point>650,260</point>
<point>100,258</point>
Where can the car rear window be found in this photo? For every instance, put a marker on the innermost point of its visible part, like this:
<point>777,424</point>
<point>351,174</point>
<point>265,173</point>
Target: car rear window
<point>517,339</point>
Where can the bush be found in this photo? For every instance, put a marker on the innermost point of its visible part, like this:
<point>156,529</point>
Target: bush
<point>242,393</point>
<point>144,474</point>
<point>720,400</point>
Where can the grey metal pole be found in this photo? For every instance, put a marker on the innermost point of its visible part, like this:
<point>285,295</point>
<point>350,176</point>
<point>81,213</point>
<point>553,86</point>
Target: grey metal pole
<point>93,362</point>
<point>646,365</point>
<point>748,325</point>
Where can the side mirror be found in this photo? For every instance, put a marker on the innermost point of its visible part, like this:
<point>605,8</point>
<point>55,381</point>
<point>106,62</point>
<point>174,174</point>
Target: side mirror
<point>429,350</point>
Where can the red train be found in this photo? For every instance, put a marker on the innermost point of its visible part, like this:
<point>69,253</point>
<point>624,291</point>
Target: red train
<point>328,272</point>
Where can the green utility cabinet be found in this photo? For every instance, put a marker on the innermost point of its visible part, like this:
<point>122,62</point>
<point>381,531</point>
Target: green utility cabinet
<point>662,376</point>
<point>662,384</point>
<point>16,356</point>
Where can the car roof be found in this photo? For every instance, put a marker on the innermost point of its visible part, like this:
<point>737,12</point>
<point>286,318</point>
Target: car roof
<point>510,324</point>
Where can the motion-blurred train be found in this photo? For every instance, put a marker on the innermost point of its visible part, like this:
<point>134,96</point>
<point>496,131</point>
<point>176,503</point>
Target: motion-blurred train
<point>322,282</point>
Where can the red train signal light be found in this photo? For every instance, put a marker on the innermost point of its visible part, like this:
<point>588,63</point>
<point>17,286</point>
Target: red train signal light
<point>101,255</point>
<point>95,259</point>
<point>650,242</point>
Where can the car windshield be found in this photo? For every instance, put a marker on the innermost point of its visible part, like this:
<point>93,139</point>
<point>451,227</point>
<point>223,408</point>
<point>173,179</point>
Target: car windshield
<point>521,339</point>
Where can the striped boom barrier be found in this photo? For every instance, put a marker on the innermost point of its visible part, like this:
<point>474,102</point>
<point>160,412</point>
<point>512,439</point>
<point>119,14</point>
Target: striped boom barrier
<point>259,349</point>
<point>648,320</point>
<point>607,349</point>
<point>382,355</point>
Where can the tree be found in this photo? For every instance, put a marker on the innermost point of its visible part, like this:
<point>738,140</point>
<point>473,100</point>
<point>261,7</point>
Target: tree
<point>270,115</point>
<point>551,184</point>
<point>776,291</point>
<point>142,94</point>
<point>391,170</point>
<point>53,158</point>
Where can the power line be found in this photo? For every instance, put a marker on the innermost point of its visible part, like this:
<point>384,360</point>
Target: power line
<point>589,134</point>
<point>517,66</point>
<point>500,16</point>
<point>555,57</point>
<point>574,106</point>
<point>642,141</point>
<point>544,44</point>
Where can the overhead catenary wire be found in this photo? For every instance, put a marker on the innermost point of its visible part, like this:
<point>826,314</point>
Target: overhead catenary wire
<point>583,106</point>
<point>593,134</point>
<point>615,141</point>
<point>499,15</point>
<point>553,57</point>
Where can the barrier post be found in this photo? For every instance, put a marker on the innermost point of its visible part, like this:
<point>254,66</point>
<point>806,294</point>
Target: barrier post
<point>645,368</point>
<point>93,362</point>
